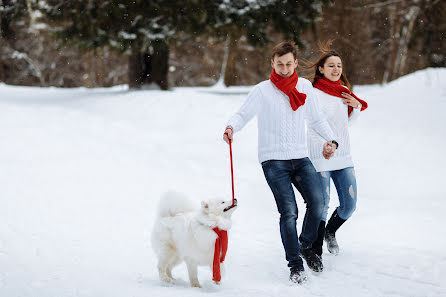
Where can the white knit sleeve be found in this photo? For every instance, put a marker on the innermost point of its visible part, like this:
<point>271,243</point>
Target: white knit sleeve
<point>247,111</point>
<point>315,117</point>
<point>354,115</point>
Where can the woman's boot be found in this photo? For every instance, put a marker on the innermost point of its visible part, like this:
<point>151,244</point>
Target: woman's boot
<point>332,226</point>
<point>317,245</point>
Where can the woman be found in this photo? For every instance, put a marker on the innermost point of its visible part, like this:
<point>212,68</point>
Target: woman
<point>341,107</point>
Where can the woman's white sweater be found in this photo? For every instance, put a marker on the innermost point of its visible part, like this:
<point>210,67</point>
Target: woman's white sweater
<point>335,112</point>
<point>281,131</point>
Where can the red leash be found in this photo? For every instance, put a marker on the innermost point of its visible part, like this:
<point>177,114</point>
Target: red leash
<point>232,170</point>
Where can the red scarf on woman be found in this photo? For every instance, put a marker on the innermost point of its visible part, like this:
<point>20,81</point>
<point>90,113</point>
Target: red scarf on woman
<point>335,88</point>
<point>288,86</point>
<point>221,247</point>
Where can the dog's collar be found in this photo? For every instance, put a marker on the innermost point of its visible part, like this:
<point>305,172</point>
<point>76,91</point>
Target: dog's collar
<point>223,222</point>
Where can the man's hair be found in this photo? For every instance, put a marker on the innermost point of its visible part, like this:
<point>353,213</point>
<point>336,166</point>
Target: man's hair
<point>284,48</point>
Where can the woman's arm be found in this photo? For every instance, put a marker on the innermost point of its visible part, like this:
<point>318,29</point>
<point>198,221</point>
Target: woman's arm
<point>349,100</point>
<point>316,118</point>
<point>354,115</point>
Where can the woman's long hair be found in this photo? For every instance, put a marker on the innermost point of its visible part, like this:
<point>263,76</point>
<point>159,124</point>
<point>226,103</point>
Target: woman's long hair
<point>326,52</point>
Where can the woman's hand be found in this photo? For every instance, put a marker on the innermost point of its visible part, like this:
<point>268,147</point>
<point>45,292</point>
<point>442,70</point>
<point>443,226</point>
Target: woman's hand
<point>328,150</point>
<point>350,100</point>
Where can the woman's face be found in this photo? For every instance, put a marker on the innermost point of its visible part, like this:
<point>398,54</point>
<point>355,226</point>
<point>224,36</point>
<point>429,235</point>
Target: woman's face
<point>332,68</point>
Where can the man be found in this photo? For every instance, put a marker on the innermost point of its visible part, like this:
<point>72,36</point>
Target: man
<point>281,104</point>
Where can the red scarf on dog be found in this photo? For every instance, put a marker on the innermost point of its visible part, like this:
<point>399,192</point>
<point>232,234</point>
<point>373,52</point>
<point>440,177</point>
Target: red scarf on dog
<point>288,86</point>
<point>221,247</point>
<point>335,88</point>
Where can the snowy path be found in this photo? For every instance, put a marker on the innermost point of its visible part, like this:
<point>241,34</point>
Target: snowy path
<point>82,170</point>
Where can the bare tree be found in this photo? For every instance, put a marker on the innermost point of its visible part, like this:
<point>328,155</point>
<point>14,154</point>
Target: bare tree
<point>402,15</point>
<point>383,40</point>
<point>2,42</point>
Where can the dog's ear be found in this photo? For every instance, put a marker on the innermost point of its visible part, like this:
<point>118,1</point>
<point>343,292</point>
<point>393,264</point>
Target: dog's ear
<point>205,206</point>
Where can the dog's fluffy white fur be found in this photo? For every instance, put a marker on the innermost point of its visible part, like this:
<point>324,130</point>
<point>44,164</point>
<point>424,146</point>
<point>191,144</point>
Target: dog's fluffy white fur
<point>183,232</point>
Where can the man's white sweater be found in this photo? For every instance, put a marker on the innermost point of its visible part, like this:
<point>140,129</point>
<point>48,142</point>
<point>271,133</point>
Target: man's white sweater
<point>335,112</point>
<point>281,131</point>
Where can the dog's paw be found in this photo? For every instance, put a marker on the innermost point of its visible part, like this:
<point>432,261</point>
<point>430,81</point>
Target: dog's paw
<point>217,283</point>
<point>196,285</point>
<point>166,279</point>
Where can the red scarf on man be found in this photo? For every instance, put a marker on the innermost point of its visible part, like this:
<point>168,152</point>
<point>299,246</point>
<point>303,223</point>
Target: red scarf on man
<point>335,88</point>
<point>221,247</point>
<point>288,86</point>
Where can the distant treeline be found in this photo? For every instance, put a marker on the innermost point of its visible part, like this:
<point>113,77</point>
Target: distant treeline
<point>197,42</point>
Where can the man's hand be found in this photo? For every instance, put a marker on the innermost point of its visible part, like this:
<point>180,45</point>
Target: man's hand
<point>328,150</point>
<point>228,134</point>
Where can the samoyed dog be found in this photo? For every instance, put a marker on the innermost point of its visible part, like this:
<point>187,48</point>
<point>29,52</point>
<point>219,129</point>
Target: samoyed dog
<point>183,232</point>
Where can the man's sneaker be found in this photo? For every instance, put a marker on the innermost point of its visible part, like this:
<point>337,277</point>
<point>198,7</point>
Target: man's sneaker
<point>298,277</point>
<point>332,244</point>
<point>312,259</point>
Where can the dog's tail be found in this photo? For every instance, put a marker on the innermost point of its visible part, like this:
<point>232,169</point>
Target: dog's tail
<point>173,203</point>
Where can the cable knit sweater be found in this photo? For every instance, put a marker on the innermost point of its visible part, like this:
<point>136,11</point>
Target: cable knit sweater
<point>281,131</point>
<point>335,112</point>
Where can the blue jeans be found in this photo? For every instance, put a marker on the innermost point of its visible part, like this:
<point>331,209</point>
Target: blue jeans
<point>345,183</point>
<point>281,175</point>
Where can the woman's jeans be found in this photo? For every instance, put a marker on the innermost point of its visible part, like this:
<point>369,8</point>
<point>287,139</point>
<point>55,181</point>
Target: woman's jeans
<point>345,183</point>
<point>280,175</point>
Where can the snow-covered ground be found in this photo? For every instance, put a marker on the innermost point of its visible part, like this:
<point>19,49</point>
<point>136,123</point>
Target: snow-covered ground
<point>81,172</point>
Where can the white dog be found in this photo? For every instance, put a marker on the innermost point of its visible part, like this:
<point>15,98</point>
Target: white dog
<point>185,233</point>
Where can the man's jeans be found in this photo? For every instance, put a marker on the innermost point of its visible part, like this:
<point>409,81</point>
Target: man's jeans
<point>345,183</point>
<point>280,174</point>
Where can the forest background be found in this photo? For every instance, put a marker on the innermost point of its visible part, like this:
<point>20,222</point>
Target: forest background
<point>164,44</point>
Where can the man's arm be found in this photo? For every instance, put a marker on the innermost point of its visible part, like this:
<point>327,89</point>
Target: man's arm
<point>246,112</point>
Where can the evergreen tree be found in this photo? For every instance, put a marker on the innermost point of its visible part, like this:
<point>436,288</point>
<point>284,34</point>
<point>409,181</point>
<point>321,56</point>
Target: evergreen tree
<point>142,29</point>
<point>235,19</point>
<point>10,10</point>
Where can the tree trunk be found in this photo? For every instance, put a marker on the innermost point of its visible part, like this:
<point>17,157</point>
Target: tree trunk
<point>145,68</point>
<point>160,65</point>
<point>395,29</point>
<point>2,42</point>
<point>1,53</point>
<point>99,68</point>
<point>406,35</point>
<point>148,79</point>
<point>89,80</point>
<point>136,70</point>
<point>403,22</point>
<point>231,77</point>
<point>224,63</point>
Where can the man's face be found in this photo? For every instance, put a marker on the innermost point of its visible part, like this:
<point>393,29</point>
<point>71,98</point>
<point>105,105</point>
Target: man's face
<point>284,65</point>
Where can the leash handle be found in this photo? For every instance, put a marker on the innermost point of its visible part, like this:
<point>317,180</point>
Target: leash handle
<point>232,169</point>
